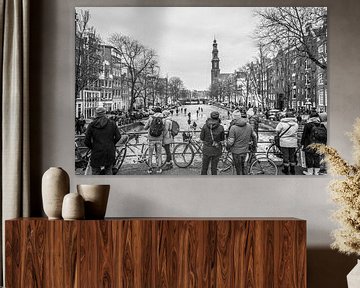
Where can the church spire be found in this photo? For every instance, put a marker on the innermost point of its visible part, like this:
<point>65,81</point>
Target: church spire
<point>215,69</point>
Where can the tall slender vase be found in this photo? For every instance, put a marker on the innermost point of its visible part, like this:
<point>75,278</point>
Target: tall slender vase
<point>353,278</point>
<point>55,185</point>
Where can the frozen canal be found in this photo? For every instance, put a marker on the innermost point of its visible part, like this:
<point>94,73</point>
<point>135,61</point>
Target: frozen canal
<point>199,118</point>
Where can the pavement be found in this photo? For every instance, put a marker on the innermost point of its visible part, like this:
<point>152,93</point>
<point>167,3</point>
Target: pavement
<point>194,169</point>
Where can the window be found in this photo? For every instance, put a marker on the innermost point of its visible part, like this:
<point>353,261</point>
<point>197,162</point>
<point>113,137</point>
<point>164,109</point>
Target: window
<point>321,97</point>
<point>320,78</point>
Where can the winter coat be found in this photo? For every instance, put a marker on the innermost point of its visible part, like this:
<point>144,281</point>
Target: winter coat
<point>101,136</point>
<point>240,135</point>
<point>289,139</point>
<point>167,137</point>
<point>218,134</point>
<point>306,136</point>
<point>148,124</point>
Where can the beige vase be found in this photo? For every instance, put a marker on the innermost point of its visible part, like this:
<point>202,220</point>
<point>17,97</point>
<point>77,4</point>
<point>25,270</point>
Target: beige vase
<point>73,207</point>
<point>55,185</point>
<point>96,198</point>
<point>353,278</point>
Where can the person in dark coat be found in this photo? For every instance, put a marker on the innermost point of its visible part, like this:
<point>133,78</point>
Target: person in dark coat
<point>212,134</point>
<point>81,125</point>
<point>101,136</point>
<point>312,158</point>
<point>241,134</point>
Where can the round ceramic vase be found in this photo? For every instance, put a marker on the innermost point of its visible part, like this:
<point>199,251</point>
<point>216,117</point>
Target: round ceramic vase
<point>96,198</point>
<point>55,185</point>
<point>73,207</point>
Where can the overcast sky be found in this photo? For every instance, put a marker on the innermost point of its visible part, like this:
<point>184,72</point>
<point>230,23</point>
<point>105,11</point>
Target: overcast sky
<point>183,36</point>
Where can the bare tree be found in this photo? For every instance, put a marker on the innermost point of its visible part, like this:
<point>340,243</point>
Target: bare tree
<point>294,28</point>
<point>214,91</point>
<point>137,59</point>
<point>88,58</point>
<point>175,86</point>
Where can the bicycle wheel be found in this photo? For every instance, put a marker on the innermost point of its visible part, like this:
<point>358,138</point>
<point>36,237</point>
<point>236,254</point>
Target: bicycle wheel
<point>274,153</point>
<point>263,166</point>
<point>154,160</point>
<point>119,159</point>
<point>183,155</point>
<point>225,164</point>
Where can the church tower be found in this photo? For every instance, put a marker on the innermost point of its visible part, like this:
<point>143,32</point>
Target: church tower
<point>215,69</point>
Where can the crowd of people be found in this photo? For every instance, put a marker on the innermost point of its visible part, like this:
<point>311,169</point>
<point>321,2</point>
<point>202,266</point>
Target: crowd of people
<point>102,134</point>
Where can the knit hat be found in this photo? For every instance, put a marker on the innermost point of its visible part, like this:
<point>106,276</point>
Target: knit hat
<point>214,115</point>
<point>100,111</point>
<point>166,113</point>
<point>236,114</point>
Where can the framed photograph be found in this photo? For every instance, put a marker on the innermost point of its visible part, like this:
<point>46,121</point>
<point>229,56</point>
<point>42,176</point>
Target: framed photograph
<point>200,90</point>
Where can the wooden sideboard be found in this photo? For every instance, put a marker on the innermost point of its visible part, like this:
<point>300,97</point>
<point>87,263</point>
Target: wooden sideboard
<point>156,252</point>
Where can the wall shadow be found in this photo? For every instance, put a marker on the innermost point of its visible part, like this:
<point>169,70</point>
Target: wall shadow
<point>328,268</point>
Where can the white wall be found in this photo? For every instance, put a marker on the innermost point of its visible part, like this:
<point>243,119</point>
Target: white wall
<point>300,196</point>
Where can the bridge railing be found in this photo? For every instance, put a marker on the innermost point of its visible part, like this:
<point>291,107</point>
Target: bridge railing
<point>139,138</point>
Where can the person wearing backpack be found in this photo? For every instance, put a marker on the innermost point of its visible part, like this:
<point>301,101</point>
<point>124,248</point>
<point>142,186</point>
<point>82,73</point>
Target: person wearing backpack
<point>314,132</point>
<point>287,130</point>
<point>212,134</point>
<point>155,125</point>
<point>167,138</point>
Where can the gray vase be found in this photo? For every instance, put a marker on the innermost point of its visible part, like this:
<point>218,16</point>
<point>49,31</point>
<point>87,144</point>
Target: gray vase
<point>55,185</point>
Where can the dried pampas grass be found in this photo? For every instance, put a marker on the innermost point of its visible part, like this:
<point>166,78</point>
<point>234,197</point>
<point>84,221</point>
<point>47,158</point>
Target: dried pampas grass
<point>345,192</point>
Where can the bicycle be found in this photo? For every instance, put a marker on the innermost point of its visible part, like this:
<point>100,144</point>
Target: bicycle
<point>274,153</point>
<point>82,155</point>
<point>184,153</point>
<point>140,154</point>
<point>257,165</point>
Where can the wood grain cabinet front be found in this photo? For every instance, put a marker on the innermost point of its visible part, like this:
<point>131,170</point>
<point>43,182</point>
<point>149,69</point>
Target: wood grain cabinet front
<point>161,252</point>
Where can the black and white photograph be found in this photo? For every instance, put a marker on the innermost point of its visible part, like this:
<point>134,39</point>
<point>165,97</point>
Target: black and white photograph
<point>200,90</point>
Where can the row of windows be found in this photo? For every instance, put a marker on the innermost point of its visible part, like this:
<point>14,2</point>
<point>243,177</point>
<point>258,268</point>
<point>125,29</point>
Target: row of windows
<point>107,83</point>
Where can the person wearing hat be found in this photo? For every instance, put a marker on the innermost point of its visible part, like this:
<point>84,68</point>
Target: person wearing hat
<point>101,137</point>
<point>241,134</point>
<point>287,130</point>
<point>212,134</point>
<point>167,138</point>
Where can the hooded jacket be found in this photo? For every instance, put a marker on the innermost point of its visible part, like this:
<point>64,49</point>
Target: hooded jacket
<point>148,124</point>
<point>306,136</point>
<point>240,135</point>
<point>288,139</point>
<point>101,137</point>
<point>212,130</point>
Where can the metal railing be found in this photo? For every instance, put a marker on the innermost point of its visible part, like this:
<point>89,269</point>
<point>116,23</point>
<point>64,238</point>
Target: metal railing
<point>178,139</point>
